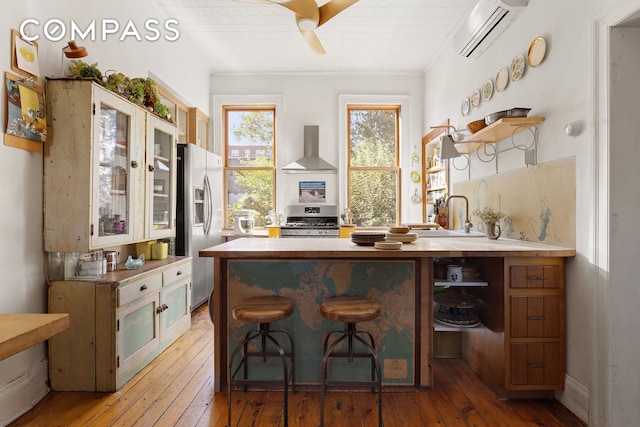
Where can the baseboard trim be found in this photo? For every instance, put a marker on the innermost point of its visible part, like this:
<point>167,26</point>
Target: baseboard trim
<point>22,394</point>
<point>575,397</point>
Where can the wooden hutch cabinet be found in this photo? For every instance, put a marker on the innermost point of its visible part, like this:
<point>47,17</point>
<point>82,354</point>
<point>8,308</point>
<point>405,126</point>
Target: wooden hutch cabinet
<point>109,182</point>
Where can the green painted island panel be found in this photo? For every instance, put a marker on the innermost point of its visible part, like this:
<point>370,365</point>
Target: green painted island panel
<point>392,283</point>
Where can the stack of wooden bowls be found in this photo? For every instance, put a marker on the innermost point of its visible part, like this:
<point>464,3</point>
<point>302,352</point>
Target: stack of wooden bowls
<point>401,234</point>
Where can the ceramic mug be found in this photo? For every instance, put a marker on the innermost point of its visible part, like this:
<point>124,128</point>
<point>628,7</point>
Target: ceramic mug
<point>454,273</point>
<point>492,230</point>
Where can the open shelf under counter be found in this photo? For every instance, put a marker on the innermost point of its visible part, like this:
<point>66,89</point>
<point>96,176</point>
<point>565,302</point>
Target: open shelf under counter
<point>442,327</point>
<point>464,284</point>
<point>497,131</point>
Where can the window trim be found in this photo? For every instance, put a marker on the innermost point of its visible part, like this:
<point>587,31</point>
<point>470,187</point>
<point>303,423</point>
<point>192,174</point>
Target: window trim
<point>225,108</point>
<point>401,101</point>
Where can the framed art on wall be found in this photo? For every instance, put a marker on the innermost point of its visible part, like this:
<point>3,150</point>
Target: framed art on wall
<point>24,56</point>
<point>25,120</point>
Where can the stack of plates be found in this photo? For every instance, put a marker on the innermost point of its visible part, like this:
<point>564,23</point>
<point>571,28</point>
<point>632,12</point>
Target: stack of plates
<point>402,237</point>
<point>367,238</point>
<point>387,245</point>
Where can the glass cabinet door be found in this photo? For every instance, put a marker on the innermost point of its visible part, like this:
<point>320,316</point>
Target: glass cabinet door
<point>162,172</point>
<point>113,185</point>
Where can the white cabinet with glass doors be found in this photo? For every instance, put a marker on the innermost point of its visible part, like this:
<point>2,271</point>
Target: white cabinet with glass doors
<point>98,184</point>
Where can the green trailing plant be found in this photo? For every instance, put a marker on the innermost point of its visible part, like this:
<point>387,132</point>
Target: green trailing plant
<point>139,90</point>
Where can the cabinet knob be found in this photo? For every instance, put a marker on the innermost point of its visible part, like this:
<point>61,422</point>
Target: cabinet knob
<point>143,288</point>
<point>151,168</point>
<point>134,164</point>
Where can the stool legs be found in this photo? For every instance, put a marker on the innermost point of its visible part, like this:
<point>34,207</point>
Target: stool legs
<point>350,333</point>
<point>264,333</point>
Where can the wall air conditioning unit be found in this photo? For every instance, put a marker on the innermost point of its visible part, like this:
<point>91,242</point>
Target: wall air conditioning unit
<point>486,21</point>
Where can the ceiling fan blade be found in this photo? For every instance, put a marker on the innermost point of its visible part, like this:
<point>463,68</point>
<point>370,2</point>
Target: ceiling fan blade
<point>332,8</point>
<point>305,8</point>
<point>313,41</point>
<point>254,1</point>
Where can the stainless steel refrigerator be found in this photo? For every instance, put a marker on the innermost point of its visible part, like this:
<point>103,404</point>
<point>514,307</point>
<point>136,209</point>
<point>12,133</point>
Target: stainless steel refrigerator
<point>199,214</point>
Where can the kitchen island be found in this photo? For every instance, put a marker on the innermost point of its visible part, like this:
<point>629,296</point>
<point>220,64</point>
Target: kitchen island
<point>523,277</point>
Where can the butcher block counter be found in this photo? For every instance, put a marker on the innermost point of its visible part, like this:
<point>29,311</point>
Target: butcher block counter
<point>518,350</point>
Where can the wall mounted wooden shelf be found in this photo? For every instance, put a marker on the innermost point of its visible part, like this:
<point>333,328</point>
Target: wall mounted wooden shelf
<point>496,131</point>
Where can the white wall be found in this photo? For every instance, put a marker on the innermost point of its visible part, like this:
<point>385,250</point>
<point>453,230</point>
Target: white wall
<point>313,99</point>
<point>23,287</point>
<point>601,384</point>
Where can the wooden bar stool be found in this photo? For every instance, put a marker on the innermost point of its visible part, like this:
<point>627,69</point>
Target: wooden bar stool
<point>350,310</point>
<point>263,310</point>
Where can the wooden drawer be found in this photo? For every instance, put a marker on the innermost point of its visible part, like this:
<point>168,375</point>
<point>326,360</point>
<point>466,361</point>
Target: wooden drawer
<point>536,316</point>
<point>534,277</point>
<point>139,289</point>
<point>537,365</point>
<point>176,273</point>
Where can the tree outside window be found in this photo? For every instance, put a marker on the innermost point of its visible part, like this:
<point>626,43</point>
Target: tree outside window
<point>250,161</point>
<point>373,170</point>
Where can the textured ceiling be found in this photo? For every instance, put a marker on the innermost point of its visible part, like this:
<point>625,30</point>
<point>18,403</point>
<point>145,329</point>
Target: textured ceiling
<point>370,36</point>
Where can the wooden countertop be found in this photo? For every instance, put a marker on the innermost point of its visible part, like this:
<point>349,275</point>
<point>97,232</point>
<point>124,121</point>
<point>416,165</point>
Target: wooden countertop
<point>122,274</point>
<point>344,248</point>
<point>21,331</point>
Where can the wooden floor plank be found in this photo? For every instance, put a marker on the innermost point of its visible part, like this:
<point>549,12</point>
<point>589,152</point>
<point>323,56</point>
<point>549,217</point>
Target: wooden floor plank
<point>176,389</point>
<point>493,411</point>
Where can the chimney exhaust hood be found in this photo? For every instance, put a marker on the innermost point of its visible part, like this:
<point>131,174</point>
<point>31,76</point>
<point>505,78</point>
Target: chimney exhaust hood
<point>310,162</point>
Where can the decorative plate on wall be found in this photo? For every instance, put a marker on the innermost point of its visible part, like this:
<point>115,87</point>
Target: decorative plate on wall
<point>465,107</point>
<point>517,67</point>
<point>475,98</point>
<point>487,90</point>
<point>537,50</point>
<point>502,79</point>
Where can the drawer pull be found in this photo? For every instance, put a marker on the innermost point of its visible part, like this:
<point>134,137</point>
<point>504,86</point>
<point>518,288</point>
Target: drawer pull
<point>537,318</point>
<point>536,278</point>
<point>179,273</point>
<point>143,288</point>
<point>536,365</point>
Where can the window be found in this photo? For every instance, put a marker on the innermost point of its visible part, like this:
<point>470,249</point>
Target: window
<point>250,160</point>
<point>373,164</point>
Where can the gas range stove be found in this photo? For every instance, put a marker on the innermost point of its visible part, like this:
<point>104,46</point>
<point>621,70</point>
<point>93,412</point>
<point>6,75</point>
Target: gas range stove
<point>311,221</point>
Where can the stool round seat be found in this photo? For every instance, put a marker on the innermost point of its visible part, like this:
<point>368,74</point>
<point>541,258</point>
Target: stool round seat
<point>349,309</point>
<point>264,309</point>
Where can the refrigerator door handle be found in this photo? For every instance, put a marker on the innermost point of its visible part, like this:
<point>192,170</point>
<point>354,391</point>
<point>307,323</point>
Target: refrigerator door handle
<point>208,208</point>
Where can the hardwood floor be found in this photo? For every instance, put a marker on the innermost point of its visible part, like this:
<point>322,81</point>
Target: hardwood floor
<point>177,390</point>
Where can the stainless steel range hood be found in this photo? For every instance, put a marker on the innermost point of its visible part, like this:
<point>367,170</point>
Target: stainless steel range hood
<point>310,162</point>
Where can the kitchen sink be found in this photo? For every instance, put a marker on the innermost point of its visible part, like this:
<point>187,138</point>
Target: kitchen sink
<point>446,233</point>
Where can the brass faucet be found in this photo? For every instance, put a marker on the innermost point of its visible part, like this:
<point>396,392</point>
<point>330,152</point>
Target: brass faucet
<point>467,222</point>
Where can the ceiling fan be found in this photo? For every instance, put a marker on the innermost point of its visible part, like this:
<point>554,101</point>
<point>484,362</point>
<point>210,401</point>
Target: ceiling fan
<point>310,16</point>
